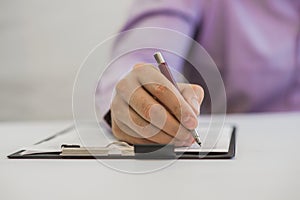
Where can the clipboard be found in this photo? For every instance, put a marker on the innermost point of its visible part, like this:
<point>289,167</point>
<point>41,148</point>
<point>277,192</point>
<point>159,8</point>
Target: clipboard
<point>122,150</point>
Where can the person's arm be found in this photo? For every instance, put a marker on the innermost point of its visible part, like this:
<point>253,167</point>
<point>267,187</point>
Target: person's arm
<point>181,16</point>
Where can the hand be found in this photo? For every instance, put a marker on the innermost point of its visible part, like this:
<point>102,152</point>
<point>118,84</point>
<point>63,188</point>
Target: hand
<point>147,108</point>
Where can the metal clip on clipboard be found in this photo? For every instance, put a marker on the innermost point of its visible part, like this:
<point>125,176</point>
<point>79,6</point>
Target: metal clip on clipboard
<point>114,148</point>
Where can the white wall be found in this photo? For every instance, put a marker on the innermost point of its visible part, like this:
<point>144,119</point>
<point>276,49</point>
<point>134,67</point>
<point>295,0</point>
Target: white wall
<point>42,44</point>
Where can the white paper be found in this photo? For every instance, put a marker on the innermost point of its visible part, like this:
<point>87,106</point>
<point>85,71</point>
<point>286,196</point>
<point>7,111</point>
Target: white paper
<point>214,139</point>
<point>87,135</point>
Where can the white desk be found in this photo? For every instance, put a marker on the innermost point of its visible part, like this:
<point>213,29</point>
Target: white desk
<point>266,166</point>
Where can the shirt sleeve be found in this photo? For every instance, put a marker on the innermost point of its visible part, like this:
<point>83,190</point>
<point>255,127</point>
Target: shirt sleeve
<point>181,16</point>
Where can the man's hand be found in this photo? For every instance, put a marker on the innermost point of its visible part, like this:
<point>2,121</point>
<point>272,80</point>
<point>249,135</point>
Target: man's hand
<point>147,108</point>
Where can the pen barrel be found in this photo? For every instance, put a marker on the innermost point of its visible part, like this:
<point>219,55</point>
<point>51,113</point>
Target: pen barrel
<point>164,69</point>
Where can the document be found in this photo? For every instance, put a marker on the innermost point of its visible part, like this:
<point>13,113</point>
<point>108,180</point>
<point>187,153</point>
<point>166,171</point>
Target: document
<point>214,139</point>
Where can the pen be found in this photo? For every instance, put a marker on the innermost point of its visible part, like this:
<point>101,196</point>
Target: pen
<point>165,70</point>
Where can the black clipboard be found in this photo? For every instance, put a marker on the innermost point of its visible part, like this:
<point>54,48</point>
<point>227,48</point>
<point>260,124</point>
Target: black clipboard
<point>155,151</point>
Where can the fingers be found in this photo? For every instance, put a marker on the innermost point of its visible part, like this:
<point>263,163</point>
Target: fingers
<point>193,94</point>
<point>127,137</point>
<point>147,108</point>
<point>124,133</point>
<point>148,122</point>
<point>161,88</point>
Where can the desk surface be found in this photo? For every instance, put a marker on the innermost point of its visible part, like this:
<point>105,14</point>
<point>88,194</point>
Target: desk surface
<point>266,166</point>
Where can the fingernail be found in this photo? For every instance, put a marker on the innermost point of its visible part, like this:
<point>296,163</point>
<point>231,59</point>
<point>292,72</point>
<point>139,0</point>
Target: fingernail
<point>195,104</point>
<point>189,122</point>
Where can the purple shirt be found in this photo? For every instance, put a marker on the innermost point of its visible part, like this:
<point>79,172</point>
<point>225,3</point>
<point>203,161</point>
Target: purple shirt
<point>254,43</point>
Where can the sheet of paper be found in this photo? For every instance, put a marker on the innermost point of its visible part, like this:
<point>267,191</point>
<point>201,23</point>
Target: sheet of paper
<point>85,135</point>
<point>213,139</point>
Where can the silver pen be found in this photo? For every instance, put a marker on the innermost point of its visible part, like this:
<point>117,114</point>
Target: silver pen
<point>164,69</point>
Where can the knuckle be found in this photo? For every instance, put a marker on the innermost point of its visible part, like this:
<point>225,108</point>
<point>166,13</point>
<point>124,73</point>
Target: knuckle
<point>159,90</point>
<point>202,94</point>
<point>122,86</point>
<point>138,68</point>
<point>137,65</point>
<point>178,111</point>
<point>199,90</point>
<point>142,68</point>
